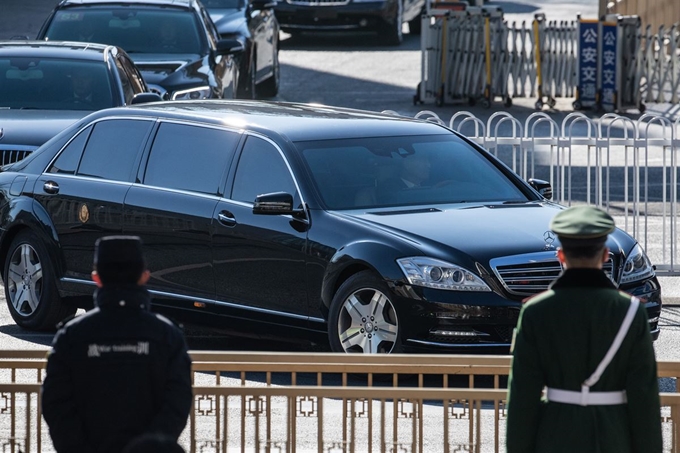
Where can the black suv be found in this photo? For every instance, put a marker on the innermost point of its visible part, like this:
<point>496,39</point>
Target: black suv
<point>174,43</point>
<point>387,233</point>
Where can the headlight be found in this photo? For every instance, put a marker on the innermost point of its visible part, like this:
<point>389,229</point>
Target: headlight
<point>637,266</point>
<point>432,273</point>
<point>192,93</point>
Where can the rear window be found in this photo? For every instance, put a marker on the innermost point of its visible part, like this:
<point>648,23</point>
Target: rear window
<point>137,30</point>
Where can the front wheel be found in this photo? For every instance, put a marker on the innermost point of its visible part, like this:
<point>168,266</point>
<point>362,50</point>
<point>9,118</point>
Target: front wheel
<point>30,285</point>
<point>362,317</point>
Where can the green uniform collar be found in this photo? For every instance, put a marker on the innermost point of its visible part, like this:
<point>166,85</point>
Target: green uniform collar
<point>582,277</point>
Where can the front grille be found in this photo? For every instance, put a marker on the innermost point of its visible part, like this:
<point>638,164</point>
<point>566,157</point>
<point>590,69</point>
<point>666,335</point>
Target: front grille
<point>9,156</point>
<point>318,2</point>
<point>529,274</point>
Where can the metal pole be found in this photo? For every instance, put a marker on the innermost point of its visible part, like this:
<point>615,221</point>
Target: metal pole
<point>602,8</point>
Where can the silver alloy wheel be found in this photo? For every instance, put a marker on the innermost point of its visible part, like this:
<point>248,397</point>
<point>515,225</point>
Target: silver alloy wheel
<point>25,280</point>
<point>368,322</point>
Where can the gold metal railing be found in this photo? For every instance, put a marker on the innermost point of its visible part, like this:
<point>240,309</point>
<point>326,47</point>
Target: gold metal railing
<point>300,402</point>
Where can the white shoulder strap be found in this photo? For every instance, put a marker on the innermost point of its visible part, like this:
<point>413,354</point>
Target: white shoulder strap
<point>616,344</point>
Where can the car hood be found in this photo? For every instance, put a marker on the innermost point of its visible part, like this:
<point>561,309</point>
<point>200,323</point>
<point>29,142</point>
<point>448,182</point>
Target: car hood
<point>172,72</point>
<point>482,232</point>
<point>229,20</point>
<point>35,127</point>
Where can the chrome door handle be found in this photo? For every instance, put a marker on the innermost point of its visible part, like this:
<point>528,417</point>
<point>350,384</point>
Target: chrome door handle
<point>51,187</point>
<point>226,218</point>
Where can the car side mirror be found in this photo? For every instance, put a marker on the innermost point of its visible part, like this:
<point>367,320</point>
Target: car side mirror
<point>229,46</point>
<point>542,187</point>
<point>277,203</point>
<point>141,98</point>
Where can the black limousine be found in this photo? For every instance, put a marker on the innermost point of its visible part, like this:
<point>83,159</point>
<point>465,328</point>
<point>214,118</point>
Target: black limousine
<point>390,234</point>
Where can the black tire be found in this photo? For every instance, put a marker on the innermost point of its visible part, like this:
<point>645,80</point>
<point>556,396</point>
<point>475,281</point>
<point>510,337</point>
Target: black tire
<point>415,26</point>
<point>391,34</point>
<point>365,293</point>
<point>269,88</point>
<point>31,286</point>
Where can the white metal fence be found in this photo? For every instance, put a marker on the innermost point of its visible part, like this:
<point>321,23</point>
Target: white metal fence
<point>628,167</point>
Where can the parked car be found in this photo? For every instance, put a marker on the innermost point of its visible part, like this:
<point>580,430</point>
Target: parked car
<point>253,24</point>
<point>382,16</point>
<point>40,84</point>
<point>173,42</point>
<point>266,217</point>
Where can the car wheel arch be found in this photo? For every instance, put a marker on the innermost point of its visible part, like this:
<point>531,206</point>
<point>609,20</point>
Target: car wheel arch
<point>16,230</point>
<point>378,258</point>
<point>33,217</point>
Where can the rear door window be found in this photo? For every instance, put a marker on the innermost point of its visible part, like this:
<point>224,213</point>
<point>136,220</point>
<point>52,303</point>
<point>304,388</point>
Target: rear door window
<point>261,169</point>
<point>113,149</point>
<point>192,158</point>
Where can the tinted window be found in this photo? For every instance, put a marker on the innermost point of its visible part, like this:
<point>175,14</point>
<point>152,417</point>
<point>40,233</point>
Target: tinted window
<point>136,80</point>
<point>113,149</point>
<point>402,171</point>
<point>190,157</point>
<point>261,169</point>
<point>137,30</point>
<point>125,83</point>
<point>55,84</point>
<point>67,162</point>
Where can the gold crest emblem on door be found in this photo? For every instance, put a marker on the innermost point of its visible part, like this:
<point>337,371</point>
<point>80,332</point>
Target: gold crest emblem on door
<point>84,213</point>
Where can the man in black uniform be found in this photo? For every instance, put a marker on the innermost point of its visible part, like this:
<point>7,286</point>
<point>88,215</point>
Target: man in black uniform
<point>588,345</point>
<point>118,371</point>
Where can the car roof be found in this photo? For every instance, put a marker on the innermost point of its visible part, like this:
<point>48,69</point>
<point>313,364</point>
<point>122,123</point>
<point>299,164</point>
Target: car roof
<point>56,49</point>
<point>292,121</point>
<point>181,3</point>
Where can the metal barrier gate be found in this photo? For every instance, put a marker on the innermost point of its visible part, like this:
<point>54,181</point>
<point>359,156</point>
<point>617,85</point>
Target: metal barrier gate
<point>304,402</point>
<point>472,54</point>
<point>629,168</point>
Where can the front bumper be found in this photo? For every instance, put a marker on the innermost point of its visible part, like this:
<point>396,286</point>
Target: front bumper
<point>446,321</point>
<point>352,16</point>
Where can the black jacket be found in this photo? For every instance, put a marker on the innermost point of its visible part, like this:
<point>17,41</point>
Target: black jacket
<point>114,373</point>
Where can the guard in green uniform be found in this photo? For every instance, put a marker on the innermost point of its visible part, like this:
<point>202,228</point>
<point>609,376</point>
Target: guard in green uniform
<point>583,376</point>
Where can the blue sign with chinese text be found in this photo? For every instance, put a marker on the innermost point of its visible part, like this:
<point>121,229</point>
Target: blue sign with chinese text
<point>588,32</point>
<point>608,84</point>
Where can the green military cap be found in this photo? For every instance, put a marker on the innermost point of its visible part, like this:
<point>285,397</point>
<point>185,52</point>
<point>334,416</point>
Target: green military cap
<point>582,223</point>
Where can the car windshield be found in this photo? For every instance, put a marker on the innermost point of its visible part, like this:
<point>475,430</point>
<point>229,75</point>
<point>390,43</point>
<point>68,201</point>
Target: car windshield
<point>135,30</point>
<point>54,84</point>
<point>223,4</point>
<point>404,171</point>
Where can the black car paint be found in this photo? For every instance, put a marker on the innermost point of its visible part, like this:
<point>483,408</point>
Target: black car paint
<point>283,270</point>
<point>253,23</point>
<point>168,74</point>
<point>377,16</point>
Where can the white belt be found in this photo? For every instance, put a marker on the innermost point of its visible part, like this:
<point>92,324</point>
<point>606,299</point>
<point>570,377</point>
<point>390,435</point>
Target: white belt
<point>586,398</point>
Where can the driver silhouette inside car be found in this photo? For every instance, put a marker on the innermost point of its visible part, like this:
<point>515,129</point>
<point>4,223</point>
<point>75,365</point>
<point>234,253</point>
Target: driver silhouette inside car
<point>82,94</point>
<point>414,173</point>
